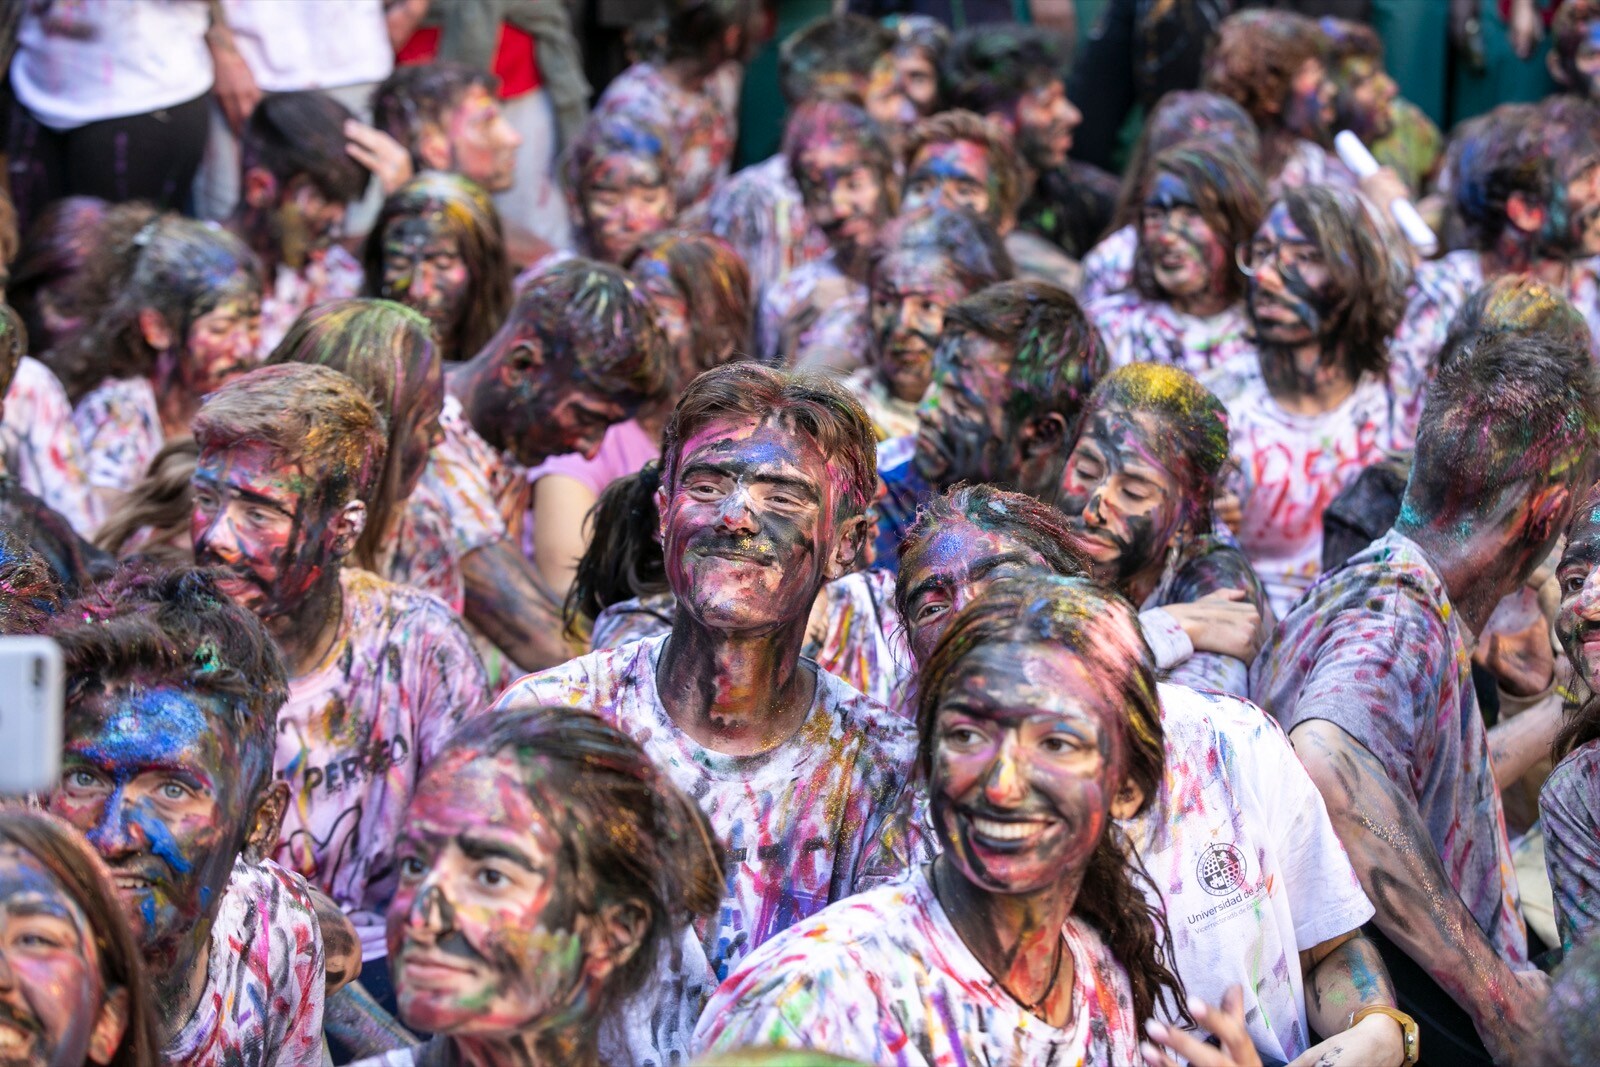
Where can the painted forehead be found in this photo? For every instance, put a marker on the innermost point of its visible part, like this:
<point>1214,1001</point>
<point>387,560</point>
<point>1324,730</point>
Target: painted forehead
<point>160,726</point>
<point>623,169</point>
<point>28,886</point>
<point>925,269</point>
<point>772,441</point>
<point>1166,189</point>
<point>953,159</point>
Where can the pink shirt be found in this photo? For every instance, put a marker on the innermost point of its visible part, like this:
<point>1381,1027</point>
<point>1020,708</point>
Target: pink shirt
<point>625,450</point>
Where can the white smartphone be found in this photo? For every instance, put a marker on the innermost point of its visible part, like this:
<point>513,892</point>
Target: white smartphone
<point>30,714</point>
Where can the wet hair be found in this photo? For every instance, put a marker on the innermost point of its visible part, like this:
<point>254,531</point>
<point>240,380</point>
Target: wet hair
<point>312,416</point>
<point>815,406</point>
<point>1099,628</point>
<point>415,97</point>
<point>1580,724</point>
<point>290,134</point>
<point>976,254</point>
<point>386,349</point>
<point>1257,55</point>
<point>1495,157</point>
<point>591,319</point>
<point>988,68</point>
<point>628,833</point>
<point>470,217</point>
<point>56,252</point>
<point>1513,303</point>
<point>151,626</point>
<point>695,27</point>
<point>830,53</point>
<point>602,137</point>
<point>181,268</point>
<point>829,121</point>
<point>623,559</point>
<point>1005,171</point>
<point>1511,408</point>
<point>715,286</point>
<point>161,503</point>
<point>1058,354</point>
<point>82,875</point>
<point>1018,516</point>
<point>1183,115</point>
<point>1194,437</point>
<point>1366,265</point>
<point>1228,193</point>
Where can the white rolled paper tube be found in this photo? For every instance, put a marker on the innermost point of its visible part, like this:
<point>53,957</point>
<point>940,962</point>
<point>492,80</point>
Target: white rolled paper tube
<point>1360,161</point>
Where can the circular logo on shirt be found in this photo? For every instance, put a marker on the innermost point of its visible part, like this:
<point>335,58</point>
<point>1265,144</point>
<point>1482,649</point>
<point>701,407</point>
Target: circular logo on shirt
<point>1221,869</point>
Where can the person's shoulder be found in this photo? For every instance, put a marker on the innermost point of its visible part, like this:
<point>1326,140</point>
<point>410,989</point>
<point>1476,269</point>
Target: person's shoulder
<point>855,714</point>
<point>374,601</point>
<point>857,927</point>
<point>1575,781</point>
<point>1120,304</point>
<point>586,681</point>
<point>1238,383</point>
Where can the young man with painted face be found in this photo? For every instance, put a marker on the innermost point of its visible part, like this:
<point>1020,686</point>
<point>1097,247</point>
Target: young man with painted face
<point>1274,65</point>
<point>173,699</point>
<point>1400,755</point>
<point>1015,363</point>
<point>1241,847</point>
<point>1574,56</point>
<point>378,673</point>
<point>1197,204</point>
<point>579,352</point>
<point>297,180</point>
<point>446,116</point>
<point>924,262</point>
<point>1137,491</point>
<point>1317,401</point>
<point>759,210</point>
<point>841,165</point>
<point>766,482</point>
<point>1366,93</point>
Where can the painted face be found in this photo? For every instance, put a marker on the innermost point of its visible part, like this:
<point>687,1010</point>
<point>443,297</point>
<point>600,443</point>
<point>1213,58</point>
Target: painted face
<point>52,990</point>
<point>955,566</point>
<point>224,342</point>
<point>962,433</point>
<point>483,931</point>
<point>1186,257</point>
<point>1366,96</point>
<point>953,174</point>
<point>910,291</point>
<point>1583,209</point>
<point>1123,501</point>
<point>423,268</point>
<point>888,102</point>
<point>749,527</point>
<point>1309,110</point>
<point>424,432</point>
<point>552,413</point>
<point>1288,295</point>
<point>1045,119</point>
<point>1583,68</point>
<point>483,145</point>
<point>626,199</point>
<point>252,517</point>
<point>306,221</point>
<point>152,776</point>
<point>844,196</point>
<point>1026,761</point>
<point>1578,619</point>
<point>921,81</point>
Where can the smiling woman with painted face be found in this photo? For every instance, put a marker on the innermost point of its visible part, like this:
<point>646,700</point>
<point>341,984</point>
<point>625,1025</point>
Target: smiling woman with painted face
<point>545,870</point>
<point>1027,940</point>
<point>619,188</point>
<point>437,247</point>
<point>1185,308</point>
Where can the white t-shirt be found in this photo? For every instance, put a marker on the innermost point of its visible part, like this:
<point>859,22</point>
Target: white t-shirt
<point>1108,268</point>
<point>1138,330</point>
<point>265,980</point>
<point>42,449</point>
<point>1246,862</point>
<point>293,46</point>
<point>119,426</point>
<point>357,733</point>
<point>81,61</point>
<point>885,979</point>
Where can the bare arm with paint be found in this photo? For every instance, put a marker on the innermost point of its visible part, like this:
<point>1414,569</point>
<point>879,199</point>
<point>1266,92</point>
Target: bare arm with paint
<point>508,603</point>
<point>1417,907</point>
<point>1343,975</point>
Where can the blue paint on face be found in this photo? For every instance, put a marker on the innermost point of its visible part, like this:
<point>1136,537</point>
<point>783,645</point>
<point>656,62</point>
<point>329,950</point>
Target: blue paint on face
<point>150,728</point>
<point>162,844</point>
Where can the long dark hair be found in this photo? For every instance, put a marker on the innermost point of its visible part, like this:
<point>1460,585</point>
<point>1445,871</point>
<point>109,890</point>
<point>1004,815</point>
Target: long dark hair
<point>1580,722</point>
<point>1097,626</point>
<point>623,559</point>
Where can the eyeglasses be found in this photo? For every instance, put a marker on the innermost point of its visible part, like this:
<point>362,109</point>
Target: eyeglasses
<point>1251,256</point>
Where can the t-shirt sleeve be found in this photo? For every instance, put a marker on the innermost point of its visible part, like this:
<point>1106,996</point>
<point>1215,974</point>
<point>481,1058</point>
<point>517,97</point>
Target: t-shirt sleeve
<point>120,435</point>
<point>299,986</point>
<point>464,487</point>
<point>1567,812</point>
<point>450,679</point>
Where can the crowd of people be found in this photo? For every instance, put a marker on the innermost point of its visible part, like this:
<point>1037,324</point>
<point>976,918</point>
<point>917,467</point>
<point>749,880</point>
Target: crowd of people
<point>532,594</point>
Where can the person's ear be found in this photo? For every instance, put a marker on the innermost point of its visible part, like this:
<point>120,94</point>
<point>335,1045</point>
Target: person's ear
<point>1005,118</point>
<point>1548,512</point>
<point>1128,800</point>
<point>109,1027</point>
<point>347,527</point>
<point>433,147</point>
<point>1042,436</point>
<point>613,937</point>
<point>260,188</point>
<point>1525,213</point>
<point>661,513</point>
<point>847,549</point>
<point>524,362</point>
<point>266,822</point>
<point>156,330</point>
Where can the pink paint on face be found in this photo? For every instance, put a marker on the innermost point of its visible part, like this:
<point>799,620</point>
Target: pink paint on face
<point>625,199</point>
<point>845,197</point>
<point>953,568</point>
<point>224,342</point>
<point>952,174</point>
<point>1125,505</point>
<point>483,145</point>
<point>483,928</point>
<point>1027,757</point>
<point>1044,121</point>
<point>51,992</point>
<point>910,291</point>
<point>1310,108</point>
<point>1578,574</point>
<point>251,517</point>
<point>1187,259</point>
<point>748,527</point>
<point>423,268</point>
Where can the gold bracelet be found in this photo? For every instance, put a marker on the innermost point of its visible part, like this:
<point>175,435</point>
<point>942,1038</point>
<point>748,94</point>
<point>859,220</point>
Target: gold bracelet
<point>1410,1040</point>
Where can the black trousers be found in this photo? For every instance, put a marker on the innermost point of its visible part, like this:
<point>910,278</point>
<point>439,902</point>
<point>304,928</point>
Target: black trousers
<point>150,157</point>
